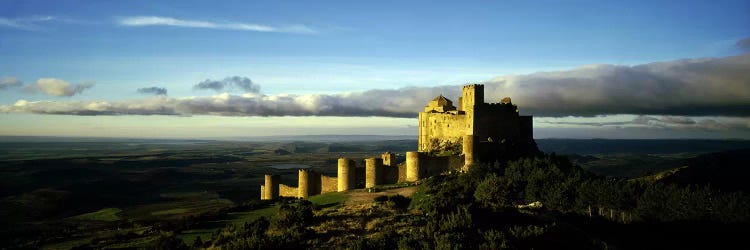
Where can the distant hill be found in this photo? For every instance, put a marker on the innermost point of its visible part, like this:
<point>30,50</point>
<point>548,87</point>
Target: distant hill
<point>322,138</point>
<point>728,171</point>
<point>654,146</point>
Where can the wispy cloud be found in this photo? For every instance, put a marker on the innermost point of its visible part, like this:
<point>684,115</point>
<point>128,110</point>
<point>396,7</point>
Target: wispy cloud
<point>138,21</point>
<point>57,87</point>
<point>25,23</point>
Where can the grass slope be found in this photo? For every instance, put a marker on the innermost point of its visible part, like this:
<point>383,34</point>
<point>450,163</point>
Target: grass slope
<point>105,214</point>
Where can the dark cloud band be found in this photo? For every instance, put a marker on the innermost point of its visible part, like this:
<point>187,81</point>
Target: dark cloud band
<point>234,82</point>
<point>153,91</point>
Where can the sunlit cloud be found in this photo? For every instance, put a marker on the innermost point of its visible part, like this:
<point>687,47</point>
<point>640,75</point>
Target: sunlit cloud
<point>57,87</point>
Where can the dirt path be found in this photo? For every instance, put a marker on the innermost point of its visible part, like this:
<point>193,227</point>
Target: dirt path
<point>361,196</point>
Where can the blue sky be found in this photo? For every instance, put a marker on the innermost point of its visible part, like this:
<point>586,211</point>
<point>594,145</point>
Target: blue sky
<point>337,47</point>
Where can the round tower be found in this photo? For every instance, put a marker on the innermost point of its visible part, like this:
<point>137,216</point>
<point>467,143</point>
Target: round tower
<point>389,159</point>
<point>412,166</point>
<point>373,172</point>
<point>271,188</point>
<point>468,150</point>
<point>345,174</point>
<point>303,190</point>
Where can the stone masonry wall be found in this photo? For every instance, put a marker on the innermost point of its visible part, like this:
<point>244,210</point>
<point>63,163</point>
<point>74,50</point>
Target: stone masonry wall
<point>441,126</point>
<point>328,184</point>
<point>287,191</point>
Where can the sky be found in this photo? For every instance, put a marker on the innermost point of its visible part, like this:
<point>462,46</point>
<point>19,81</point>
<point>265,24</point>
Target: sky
<point>208,69</point>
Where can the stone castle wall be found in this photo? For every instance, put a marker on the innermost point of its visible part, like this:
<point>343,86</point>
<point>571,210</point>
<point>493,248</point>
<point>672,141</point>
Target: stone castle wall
<point>419,165</point>
<point>442,127</point>
<point>498,122</point>
<point>401,172</point>
<point>309,183</point>
<point>328,184</point>
<point>288,191</point>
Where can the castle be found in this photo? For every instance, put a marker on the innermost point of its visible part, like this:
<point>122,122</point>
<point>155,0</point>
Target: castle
<point>484,132</point>
<point>489,131</point>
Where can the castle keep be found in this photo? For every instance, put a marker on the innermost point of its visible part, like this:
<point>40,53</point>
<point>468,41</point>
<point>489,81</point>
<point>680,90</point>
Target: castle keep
<point>483,132</point>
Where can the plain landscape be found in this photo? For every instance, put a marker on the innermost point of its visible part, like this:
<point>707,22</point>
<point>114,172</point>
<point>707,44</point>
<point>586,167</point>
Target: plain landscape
<point>77,192</point>
<point>447,125</point>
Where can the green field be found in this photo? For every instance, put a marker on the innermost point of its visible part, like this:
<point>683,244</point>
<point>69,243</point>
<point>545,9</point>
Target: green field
<point>328,198</point>
<point>240,218</point>
<point>236,218</point>
<point>105,214</point>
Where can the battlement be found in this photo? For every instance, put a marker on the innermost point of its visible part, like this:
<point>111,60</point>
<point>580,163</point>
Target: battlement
<point>473,86</point>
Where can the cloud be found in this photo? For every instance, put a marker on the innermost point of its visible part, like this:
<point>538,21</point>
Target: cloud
<point>153,91</point>
<point>234,82</point>
<point>25,23</point>
<point>57,87</point>
<point>139,21</point>
<point>743,44</point>
<point>222,104</point>
<point>691,123</point>
<point>9,82</point>
<point>699,87</point>
<point>664,123</point>
<point>710,86</point>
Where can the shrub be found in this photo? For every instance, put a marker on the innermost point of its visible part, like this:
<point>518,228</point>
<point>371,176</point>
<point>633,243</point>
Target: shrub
<point>398,202</point>
<point>444,194</point>
<point>382,198</point>
<point>494,239</point>
<point>495,192</point>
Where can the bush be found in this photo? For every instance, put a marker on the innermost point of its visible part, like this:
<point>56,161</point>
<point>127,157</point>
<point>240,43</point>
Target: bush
<point>296,213</point>
<point>445,194</point>
<point>552,180</point>
<point>495,192</point>
<point>382,198</point>
<point>169,241</point>
<point>398,202</point>
<point>494,239</point>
